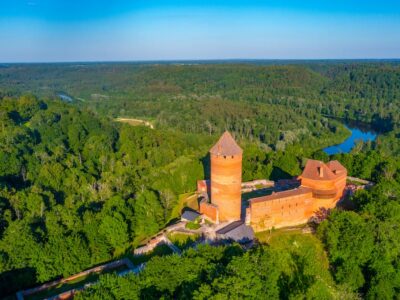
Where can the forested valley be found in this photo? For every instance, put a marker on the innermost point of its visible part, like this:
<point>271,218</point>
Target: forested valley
<point>78,188</point>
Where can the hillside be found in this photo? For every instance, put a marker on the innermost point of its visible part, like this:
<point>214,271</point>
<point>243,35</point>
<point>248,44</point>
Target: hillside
<point>78,188</point>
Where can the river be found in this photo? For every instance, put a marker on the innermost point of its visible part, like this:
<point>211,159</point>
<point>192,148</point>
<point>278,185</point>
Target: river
<point>359,132</point>
<point>65,97</point>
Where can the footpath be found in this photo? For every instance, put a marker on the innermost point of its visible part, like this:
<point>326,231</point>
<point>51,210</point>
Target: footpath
<point>126,263</point>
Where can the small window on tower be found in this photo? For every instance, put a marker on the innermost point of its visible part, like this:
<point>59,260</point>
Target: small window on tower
<point>225,156</point>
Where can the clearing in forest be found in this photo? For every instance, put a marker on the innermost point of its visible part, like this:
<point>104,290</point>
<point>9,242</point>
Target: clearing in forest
<point>135,122</point>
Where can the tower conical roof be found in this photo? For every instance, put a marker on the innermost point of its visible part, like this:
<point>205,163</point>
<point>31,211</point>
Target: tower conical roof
<point>317,170</point>
<point>226,145</point>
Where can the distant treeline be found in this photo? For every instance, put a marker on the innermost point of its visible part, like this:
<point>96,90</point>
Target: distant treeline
<point>173,94</point>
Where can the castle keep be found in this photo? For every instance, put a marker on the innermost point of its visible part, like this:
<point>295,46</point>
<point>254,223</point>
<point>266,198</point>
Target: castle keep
<point>226,178</point>
<point>320,187</point>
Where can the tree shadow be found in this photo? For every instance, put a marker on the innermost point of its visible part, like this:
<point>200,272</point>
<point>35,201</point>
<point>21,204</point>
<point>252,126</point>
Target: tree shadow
<point>382,125</point>
<point>16,280</point>
<point>184,243</point>
<point>92,207</point>
<point>206,166</point>
<point>277,173</point>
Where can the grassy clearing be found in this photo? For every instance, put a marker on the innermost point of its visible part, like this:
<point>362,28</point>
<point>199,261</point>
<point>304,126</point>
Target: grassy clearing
<point>192,225</point>
<point>135,122</point>
<point>184,200</point>
<point>183,240</point>
<point>293,238</point>
<point>270,236</point>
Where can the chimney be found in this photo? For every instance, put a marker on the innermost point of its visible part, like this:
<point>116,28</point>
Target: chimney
<point>321,171</point>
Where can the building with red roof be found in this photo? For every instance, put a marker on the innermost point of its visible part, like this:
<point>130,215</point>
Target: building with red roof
<point>321,186</point>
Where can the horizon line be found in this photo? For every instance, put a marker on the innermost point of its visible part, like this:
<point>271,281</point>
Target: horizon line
<point>200,60</point>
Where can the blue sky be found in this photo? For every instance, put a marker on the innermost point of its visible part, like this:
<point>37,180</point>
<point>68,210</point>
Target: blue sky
<point>88,30</point>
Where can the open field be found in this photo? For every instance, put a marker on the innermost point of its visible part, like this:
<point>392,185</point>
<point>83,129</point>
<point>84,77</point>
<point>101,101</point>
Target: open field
<point>286,239</point>
<point>135,122</point>
<point>273,235</point>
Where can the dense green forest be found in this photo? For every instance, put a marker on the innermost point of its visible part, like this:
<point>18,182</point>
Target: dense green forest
<point>362,258</point>
<point>78,189</point>
<point>199,98</point>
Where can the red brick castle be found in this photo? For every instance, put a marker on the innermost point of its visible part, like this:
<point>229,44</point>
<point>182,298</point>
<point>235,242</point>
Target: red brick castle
<point>321,186</point>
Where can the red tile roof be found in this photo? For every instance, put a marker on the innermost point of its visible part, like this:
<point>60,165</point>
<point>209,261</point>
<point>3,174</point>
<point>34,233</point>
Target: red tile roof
<point>336,167</point>
<point>226,145</point>
<point>317,170</point>
<point>281,195</point>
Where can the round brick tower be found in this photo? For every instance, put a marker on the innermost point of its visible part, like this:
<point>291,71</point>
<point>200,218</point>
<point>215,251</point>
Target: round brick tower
<point>327,182</point>
<point>226,178</point>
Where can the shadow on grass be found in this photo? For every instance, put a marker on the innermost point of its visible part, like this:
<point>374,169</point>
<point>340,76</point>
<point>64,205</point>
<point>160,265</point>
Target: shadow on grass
<point>182,240</point>
<point>160,250</point>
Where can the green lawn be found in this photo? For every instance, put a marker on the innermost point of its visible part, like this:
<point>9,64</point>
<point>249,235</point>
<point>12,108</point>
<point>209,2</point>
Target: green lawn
<point>182,240</point>
<point>270,236</point>
<point>293,237</point>
<point>193,225</point>
<point>184,200</point>
<point>134,122</point>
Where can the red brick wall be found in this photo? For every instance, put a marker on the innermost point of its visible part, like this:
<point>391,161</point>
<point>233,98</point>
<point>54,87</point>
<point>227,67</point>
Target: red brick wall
<point>209,210</point>
<point>326,192</point>
<point>297,209</point>
<point>226,182</point>
<point>202,186</point>
<point>282,212</point>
